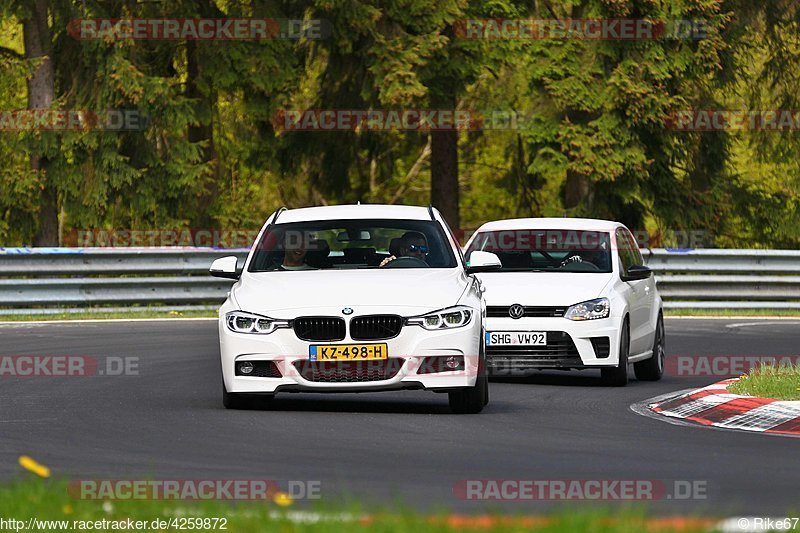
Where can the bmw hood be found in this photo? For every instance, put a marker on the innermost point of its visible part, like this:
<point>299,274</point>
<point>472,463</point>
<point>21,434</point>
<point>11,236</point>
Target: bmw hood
<point>402,291</point>
<point>542,288</point>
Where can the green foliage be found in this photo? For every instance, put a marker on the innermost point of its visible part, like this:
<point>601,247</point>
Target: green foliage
<point>780,380</point>
<point>591,137</point>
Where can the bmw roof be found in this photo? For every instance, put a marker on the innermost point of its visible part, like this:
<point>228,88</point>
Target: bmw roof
<point>359,211</point>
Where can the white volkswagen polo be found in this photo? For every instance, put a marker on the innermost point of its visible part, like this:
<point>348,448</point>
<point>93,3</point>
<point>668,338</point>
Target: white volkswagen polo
<point>354,298</point>
<point>572,294</point>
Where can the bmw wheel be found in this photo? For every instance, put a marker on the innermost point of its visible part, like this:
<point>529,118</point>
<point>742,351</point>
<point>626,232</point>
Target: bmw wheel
<point>471,400</point>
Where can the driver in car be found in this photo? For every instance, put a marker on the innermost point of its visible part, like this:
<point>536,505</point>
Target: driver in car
<point>412,244</point>
<point>294,254</point>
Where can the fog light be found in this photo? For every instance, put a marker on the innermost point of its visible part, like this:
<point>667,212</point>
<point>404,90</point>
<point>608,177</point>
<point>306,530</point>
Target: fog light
<point>246,367</point>
<point>442,363</point>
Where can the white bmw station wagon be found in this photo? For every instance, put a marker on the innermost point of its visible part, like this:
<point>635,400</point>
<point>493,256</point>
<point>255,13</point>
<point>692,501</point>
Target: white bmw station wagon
<point>354,298</point>
<point>571,294</point>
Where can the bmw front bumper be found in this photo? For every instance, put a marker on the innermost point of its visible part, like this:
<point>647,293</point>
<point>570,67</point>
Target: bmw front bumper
<point>407,353</point>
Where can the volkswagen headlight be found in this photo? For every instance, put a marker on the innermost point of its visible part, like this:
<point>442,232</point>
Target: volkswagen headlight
<point>452,317</point>
<point>243,322</point>
<point>590,310</point>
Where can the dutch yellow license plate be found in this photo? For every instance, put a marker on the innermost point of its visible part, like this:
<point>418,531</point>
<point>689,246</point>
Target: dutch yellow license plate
<point>348,352</point>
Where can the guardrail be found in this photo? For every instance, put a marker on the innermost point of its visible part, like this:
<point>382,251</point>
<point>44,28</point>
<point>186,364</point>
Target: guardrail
<point>727,279</point>
<point>48,280</point>
<point>51,280</point>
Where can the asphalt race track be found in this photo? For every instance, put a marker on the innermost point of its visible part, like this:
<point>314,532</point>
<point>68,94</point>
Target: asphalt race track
<point>168,423</point>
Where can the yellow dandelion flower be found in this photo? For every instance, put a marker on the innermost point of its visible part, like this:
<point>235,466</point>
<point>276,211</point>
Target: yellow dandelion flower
<point>29,464</point>
<point>282,499</point>
<point>67,509</point>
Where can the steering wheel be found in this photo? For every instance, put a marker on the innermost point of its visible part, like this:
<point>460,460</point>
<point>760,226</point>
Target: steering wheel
<point>406,262</point>
<point>580,266</point>
<point>553,261</point>
<point>571,258</point>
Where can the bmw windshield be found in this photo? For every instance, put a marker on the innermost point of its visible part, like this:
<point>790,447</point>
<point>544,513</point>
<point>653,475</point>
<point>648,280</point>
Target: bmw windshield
<point>353,244</point>
<point>547,250</point>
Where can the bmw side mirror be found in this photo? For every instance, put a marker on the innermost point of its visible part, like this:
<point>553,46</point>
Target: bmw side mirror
<point>225,267</point>
<point>637,272</point>
<point>480,261</point>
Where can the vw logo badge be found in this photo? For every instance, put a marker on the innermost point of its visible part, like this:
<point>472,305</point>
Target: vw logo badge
<point>516,311</point>
<point>347,310</point>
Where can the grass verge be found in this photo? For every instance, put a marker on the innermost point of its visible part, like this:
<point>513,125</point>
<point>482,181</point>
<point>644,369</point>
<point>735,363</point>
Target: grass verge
<point>49,500</point>
<point>732,312</point>
<point>145,313</point>
<point>767,381</point>
<point>101,315</point>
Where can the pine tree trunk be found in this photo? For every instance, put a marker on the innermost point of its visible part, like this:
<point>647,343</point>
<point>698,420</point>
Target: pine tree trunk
<point>444,162</point>
<point>41,92</point>
<point>576,191</point>
<point>203,132</point>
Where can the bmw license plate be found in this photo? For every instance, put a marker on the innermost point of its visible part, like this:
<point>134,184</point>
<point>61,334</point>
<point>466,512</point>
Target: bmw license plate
<point>348,352</point>
<point>516,338</point>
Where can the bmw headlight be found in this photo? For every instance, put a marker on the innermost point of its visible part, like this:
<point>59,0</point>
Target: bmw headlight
<point>452,317</point>
<point>243,322</point>
<point>591,310</point>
